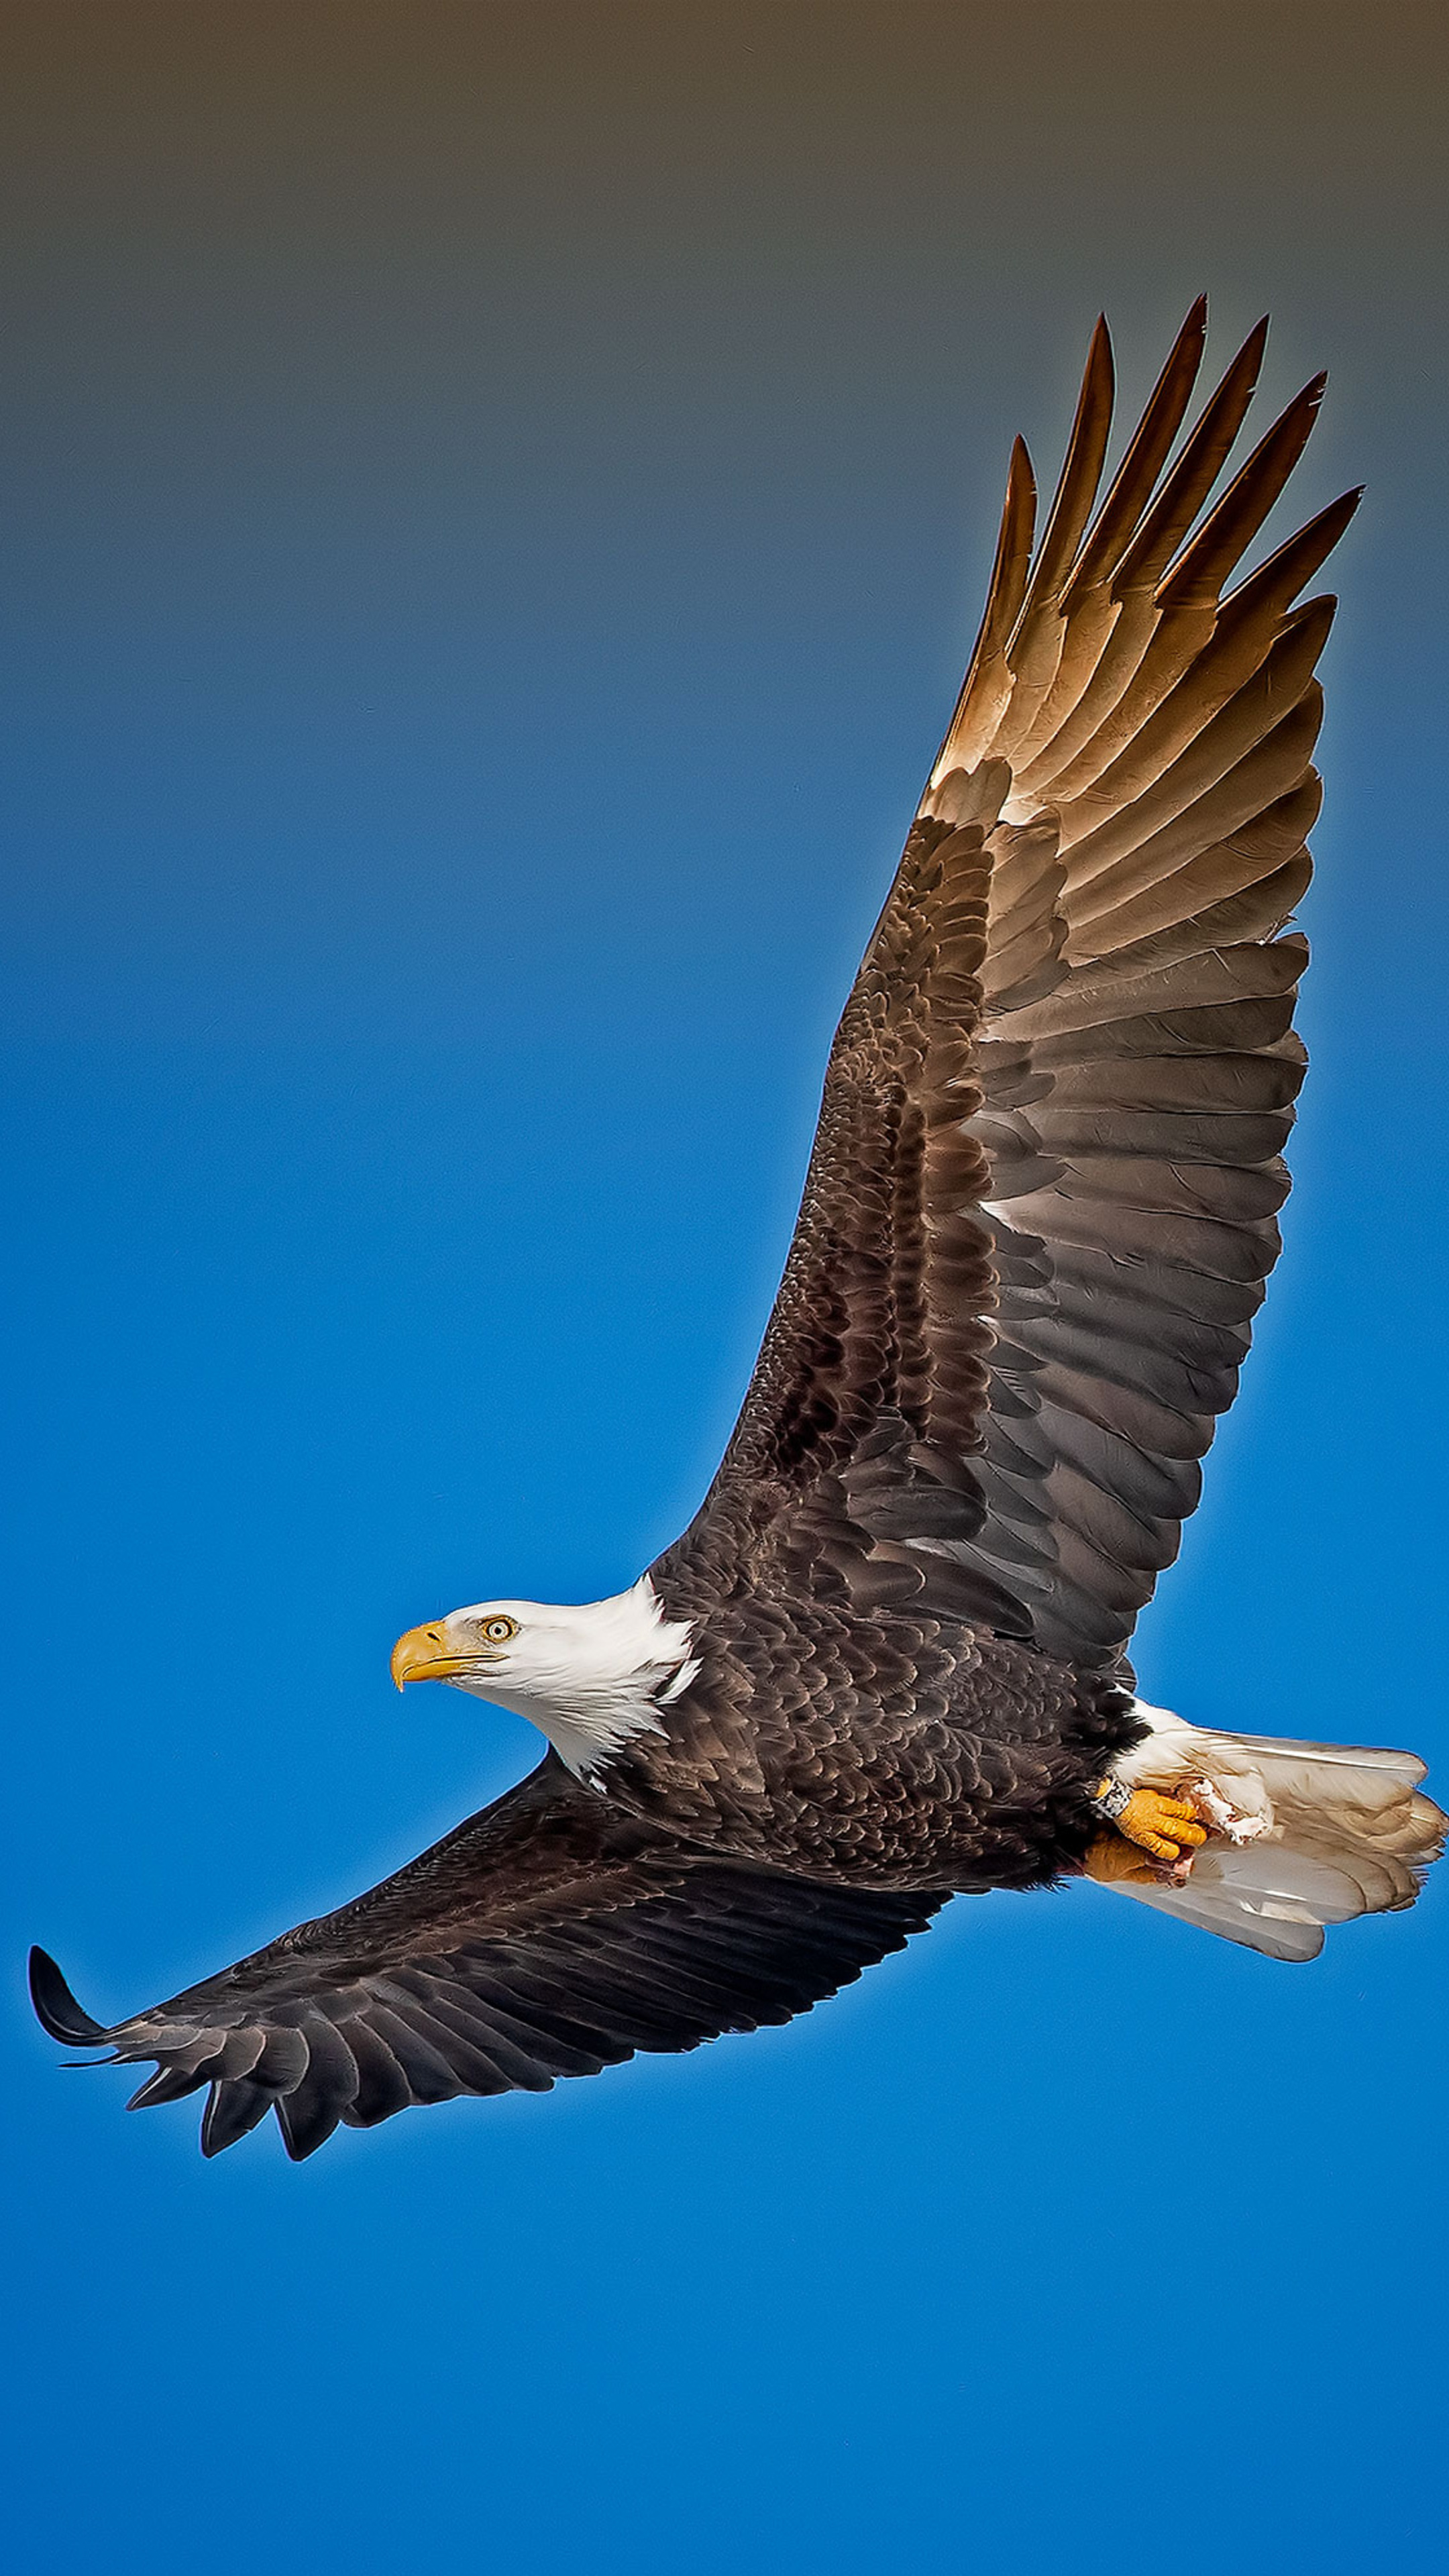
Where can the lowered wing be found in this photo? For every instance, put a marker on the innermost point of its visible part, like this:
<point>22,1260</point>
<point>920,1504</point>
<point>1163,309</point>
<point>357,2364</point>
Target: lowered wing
<point>546,1936</point>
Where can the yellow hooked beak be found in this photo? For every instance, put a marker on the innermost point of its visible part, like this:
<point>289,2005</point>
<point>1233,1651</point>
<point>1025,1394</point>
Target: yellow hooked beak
<point>422,1656</point>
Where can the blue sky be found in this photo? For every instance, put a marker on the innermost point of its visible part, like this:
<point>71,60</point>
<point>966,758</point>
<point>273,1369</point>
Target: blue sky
<point>489,562</point>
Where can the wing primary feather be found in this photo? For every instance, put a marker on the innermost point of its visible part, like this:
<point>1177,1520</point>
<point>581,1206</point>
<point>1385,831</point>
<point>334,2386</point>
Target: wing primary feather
<point>1034,652</point>
<point>1203,456</point>
<point>1197,577</point>
<point>1116,660</point>
<point>1138,472</point>
<point>1281,576</point>
<point>974,714</point>
<point>235,2107</point>
<point>382,2087</point>
<point>56,2008</point>
<point>169,2084</point>
<point>1077,483</point>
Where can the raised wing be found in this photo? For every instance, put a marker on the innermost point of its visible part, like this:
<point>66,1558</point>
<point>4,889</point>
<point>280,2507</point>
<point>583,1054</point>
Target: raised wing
<point>1040,1210</point>
<point>547,1936</point>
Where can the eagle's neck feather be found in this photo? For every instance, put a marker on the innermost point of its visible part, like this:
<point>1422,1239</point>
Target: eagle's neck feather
<point>613,1667</point>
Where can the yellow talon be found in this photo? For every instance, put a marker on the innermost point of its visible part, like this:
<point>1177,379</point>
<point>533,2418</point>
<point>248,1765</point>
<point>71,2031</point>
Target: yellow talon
<point>1112,1862</point>
<point>1159,1824</point>
<point>1154,1837</point>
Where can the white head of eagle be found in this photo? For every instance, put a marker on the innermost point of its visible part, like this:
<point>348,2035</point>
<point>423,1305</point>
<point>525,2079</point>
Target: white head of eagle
<point>590,1675</point>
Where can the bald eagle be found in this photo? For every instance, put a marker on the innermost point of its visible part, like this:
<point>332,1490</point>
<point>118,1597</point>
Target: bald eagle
<point>886,1663</point>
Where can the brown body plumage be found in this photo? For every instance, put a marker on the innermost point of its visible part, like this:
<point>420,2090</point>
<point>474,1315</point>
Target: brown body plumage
<point>1038,1220</point>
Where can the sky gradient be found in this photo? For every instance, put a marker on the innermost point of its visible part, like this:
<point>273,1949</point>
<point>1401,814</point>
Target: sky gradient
<point>498,502</point>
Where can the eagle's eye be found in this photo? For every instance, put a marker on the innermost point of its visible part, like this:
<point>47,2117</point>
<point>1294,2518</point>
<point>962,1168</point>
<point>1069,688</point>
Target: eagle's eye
<point>496,1632</point>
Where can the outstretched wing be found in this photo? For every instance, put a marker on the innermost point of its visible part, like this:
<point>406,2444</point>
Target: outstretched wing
<point>1041,1206</point>
<point>547,1936</point>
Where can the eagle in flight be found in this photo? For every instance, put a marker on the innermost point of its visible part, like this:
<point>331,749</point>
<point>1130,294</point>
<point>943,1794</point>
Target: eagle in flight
<point>886,1663</point>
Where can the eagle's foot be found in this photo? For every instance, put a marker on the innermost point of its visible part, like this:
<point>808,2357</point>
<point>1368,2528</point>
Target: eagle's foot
<point>1165,1826</point>
<point>1115,1863</point>
<point>1152,1837</point>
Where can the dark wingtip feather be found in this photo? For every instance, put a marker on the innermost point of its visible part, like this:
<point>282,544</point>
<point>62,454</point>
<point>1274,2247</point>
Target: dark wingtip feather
<point>1254,349</point>
<point>233,2108</point>
<point>168,2084</point>
<point>56,2008</point>
<point>1146,454</point>
<point>1195,579</point>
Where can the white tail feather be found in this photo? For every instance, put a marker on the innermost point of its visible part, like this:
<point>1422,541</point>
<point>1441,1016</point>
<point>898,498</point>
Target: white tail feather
<point>1339,1830</point>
